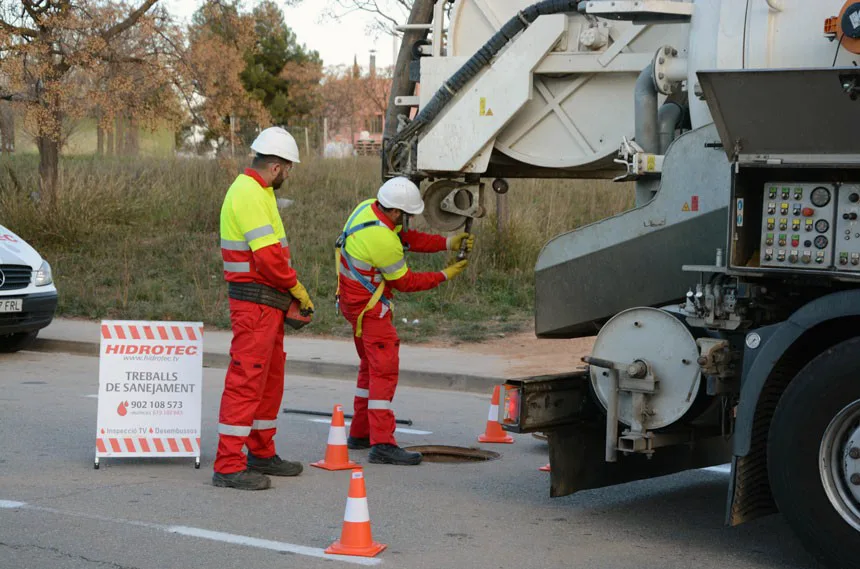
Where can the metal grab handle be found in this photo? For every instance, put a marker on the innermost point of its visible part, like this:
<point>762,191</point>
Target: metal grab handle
<point>597,362</point>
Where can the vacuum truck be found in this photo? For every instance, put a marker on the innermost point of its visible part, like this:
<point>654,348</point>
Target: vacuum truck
<point>726,303</point>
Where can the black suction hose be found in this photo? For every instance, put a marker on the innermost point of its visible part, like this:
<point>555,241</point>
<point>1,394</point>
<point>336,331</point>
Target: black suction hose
<point>481,59</point>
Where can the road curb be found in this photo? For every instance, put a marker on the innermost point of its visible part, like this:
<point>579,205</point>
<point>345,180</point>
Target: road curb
<point>317,368</point>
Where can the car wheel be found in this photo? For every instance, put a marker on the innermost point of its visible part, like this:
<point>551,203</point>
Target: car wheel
<point>15,342</point>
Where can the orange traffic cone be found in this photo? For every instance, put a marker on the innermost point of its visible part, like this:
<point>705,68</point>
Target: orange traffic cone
<point>336,453</point>
<point>494,433</point>
<point>544,468</point>
<point>355,537</point>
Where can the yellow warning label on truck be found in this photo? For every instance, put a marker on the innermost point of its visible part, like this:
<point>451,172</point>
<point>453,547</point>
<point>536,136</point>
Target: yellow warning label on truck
<point>484,110</point>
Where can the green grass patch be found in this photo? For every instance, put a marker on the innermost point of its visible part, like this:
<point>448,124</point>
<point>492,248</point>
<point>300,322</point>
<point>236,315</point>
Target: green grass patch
<point>138,239</point>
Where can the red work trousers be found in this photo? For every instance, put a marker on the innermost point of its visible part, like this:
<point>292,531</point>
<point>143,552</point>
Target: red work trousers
<point>379,351</point>
<point>254,386</point>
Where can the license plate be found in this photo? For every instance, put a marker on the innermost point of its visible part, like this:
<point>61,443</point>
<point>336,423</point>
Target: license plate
<point>11,305</point>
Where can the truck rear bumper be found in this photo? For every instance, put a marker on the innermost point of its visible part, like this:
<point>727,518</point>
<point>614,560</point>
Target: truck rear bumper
<point>39,310</point>
<point>563,407</point>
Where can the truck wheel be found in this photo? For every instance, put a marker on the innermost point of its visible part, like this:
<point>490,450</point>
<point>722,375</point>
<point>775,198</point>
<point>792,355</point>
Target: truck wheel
<point>814,455</point>
<point>14,342</point>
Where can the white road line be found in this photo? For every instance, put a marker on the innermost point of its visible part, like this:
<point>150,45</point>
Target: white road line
<point>396,430</point>
<point>268,544</point>
<point>96,396</point>
<point>205,534</point>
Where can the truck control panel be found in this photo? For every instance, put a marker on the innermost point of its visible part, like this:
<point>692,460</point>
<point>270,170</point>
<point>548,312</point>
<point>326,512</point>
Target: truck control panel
<point>847,235</point>
<point>812,226</point>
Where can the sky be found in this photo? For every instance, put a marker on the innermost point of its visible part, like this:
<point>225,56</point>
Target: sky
<point>336,42</point>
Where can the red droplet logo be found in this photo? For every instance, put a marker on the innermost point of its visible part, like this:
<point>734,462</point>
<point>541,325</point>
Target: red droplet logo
<point>150,430</point>
<point>122,410</point>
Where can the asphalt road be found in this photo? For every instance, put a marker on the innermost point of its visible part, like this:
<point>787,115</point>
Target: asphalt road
<point>56,511</point>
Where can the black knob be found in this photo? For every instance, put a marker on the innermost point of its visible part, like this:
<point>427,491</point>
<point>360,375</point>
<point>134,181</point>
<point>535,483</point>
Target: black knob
<point>844,216</point>
<point>807,243</point>
<point>854,197</point>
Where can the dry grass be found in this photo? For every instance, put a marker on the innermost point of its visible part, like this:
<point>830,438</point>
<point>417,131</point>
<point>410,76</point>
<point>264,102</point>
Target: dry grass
<point>139,239</point>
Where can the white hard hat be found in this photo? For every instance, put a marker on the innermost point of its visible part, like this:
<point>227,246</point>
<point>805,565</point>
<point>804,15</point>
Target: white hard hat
<point>276,141</point>
<point>400,193</point>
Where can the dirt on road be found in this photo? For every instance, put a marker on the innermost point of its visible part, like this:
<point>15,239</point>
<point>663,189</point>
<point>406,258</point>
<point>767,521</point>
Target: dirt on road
<point>529,355</point>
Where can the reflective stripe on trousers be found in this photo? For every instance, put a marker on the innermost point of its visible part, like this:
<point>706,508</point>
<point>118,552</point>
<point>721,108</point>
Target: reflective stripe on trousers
<point>253,387</point>
<point>378,350</point>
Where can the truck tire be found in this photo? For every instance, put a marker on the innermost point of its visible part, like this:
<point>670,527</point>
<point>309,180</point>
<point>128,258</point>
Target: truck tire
<point>815,419</point>
<point>15,342</point>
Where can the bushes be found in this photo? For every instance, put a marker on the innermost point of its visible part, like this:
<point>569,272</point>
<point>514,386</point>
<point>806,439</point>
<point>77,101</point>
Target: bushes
<point>138,238</point>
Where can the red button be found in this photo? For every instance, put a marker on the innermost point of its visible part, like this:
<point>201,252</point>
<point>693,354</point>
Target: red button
<point>795,242</point>
<point>808,212</point>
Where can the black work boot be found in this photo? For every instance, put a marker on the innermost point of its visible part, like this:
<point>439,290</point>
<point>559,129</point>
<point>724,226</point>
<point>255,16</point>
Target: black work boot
<point>393,454</point>
<point>357,443</point>
<point>244,480</point>
<point>274,466</point>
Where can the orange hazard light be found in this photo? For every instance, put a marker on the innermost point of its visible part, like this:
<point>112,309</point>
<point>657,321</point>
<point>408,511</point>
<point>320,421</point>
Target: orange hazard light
<point>511,405</point>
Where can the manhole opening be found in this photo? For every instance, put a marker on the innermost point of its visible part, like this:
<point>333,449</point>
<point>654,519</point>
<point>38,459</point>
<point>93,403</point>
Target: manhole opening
<point>449,454</point>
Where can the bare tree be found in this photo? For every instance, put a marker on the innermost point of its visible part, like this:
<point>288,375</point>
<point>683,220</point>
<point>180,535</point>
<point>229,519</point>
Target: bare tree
<point>387,14</point>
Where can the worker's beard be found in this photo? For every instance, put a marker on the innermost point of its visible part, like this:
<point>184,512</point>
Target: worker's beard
<point>278,182</point>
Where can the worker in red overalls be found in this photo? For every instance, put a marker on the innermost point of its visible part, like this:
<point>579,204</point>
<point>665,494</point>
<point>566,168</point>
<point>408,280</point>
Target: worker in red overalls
<point>371,264</point>
<point>261,286</point>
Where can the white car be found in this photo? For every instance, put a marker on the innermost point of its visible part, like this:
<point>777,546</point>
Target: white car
<point>28,298</point>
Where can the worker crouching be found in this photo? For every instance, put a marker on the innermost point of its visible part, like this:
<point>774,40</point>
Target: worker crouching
<point>371,265</point>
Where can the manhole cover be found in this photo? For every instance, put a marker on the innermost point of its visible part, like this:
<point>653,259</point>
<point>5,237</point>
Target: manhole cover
<point>442,453</point>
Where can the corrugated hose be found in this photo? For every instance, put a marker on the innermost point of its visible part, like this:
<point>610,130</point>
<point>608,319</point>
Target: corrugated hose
<point>478,61</point>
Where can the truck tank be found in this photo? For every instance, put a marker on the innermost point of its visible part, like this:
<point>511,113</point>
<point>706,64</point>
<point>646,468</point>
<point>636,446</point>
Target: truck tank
<point>557,97</point>
<point>584,277</point>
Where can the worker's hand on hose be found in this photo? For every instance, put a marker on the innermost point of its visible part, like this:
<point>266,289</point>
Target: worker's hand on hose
<point>452,271</point>
<point>454,242</point>
<point>300,294</point>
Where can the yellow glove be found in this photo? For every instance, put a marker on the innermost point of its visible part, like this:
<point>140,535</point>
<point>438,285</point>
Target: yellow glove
<point>456,241</point>
<point>452,271</point>
<point>300,294</point>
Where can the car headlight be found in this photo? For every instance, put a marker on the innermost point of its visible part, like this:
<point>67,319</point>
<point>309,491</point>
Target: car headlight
<point>43,276</point>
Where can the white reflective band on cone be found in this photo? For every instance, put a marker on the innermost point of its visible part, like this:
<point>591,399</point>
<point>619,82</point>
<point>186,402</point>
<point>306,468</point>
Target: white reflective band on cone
<point>494,413</point>
<point>262,425</point>
<point>378,404</point>
<point>356,510</point>
<point>337,436</point>
<point>363,393</point>
<point>234,430</point>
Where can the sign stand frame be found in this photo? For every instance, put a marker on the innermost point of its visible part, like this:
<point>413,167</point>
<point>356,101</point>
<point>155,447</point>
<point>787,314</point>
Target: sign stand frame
<point>172,337</point>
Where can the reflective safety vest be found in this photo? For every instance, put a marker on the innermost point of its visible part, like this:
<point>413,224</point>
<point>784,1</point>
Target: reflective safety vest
<point>369,253</point>
<point>249,221</point>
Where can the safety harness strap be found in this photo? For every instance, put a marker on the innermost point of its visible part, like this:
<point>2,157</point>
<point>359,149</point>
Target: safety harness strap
<point>340,253</point>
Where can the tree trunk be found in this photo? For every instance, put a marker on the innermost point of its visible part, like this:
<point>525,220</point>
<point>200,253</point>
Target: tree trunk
<point>120,136</point>
<point>109,149</point>
<point>100,135</point>
<point>7,128</point>
<point>133,138</point>
<point>49,168</point>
